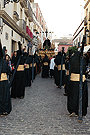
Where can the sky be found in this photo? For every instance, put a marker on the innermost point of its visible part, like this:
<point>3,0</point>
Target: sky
<point>62,16</point>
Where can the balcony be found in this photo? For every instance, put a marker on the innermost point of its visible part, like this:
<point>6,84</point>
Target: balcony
<point>30,19</point>
<point>85,21</point>
<point>15,16</point>
<point>31,0</point>
<point>28,11</point>
<point>23,3</point>
<point>28,31</point>
<point>35,27</point>
<point>22,24</point>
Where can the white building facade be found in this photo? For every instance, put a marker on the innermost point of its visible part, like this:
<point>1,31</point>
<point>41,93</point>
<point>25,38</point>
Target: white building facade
<point>78,35</point>
<point>19,24</point>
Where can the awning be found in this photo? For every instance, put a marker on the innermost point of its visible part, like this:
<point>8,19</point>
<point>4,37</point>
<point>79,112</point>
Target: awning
<point>86,48</point>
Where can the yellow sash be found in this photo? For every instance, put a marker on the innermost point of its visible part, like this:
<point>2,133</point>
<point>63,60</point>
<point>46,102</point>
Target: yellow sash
<point>27,66</point>
<point>76,77</point>
<point>20,68</point>
<point>45,63</point>
<point>31,64</point>
<point>59,67</point>
<point>67,73</point>
<point>3,77</point>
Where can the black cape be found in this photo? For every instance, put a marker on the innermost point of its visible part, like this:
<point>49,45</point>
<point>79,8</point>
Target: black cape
<point>58,72</point>
<point>45,68</point>
<point>5,99</point>
<point>28,73</point>
<point>73,88</point>
<point>18,85</point>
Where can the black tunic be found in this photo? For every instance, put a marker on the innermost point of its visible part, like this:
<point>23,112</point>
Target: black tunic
<point>33,59</point>
<point>37,63</point>
<point>28,74</point>
<point>67,76</point>
<point>57,72</point>
<point>14,60</point>
<point>5,99</point>
<point>45,68</point>
<point>40,63</point>
<point>73,89</point>
<point>18,85</point>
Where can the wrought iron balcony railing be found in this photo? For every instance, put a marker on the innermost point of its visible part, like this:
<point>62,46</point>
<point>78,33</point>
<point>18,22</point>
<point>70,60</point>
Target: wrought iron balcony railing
<point>23,3</point>
<point>15,16</point>
<point>31,0</point>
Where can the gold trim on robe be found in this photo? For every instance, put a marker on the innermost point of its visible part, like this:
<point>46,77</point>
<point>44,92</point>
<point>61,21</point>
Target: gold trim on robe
<point>27,66</point>
<point>67,72</point>
<point>59,67</point>
<point>31,64</point>
<point>3,77</point>
<point>20,68</point>
<point>76,77</point>
<point>45,63</point>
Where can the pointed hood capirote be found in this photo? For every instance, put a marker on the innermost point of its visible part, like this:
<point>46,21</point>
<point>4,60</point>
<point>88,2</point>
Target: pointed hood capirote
<point>19,52</point>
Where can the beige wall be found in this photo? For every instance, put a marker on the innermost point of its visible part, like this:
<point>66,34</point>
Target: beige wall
<point>9,8</point>
<point>86,14</point>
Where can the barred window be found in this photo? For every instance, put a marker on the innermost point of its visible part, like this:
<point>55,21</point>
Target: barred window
<point>12,33</point>
<point>6,36</point>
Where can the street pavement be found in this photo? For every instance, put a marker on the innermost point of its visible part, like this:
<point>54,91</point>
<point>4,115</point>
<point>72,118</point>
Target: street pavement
<point>43,111</point>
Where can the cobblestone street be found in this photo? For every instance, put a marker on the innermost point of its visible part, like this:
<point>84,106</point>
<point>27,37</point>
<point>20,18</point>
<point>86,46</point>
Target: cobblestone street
<point>43,111</point>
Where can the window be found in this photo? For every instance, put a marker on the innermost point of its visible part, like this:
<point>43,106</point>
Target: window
<point>21,39</point>
<point>12,33</point>
<point>26,20</point>
<point>6,36</point>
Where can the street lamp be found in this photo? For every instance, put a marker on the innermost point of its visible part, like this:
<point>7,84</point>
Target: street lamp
<point>87,32</point>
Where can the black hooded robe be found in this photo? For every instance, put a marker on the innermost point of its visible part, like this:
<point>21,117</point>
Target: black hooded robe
<point>57,71</point>
<point>33,66</point>
<point>45,67</point>
<point>67,76</point>
<point>18,85</point>
<point>28,74</point>
<point>73,89</point>
<point>5,99</point>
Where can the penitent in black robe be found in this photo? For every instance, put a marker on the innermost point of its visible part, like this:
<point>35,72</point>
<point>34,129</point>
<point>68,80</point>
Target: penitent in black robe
<point>37,63</point>
<point>45,67</point>
<point>57,70</point>
<point>40,63</point>
<point>18,85</point>
<point>67,76</point>
<point>73,89</point>
<point>14,60</point>
<point>5,99</point>
<point>28,74</point>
